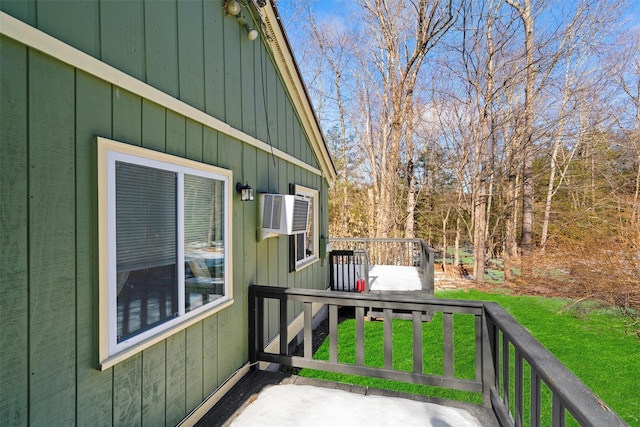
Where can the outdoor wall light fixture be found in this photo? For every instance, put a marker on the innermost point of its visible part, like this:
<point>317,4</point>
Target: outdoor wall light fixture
<point>245,191</point>
<point>251,33</point>
<point>233,8</point>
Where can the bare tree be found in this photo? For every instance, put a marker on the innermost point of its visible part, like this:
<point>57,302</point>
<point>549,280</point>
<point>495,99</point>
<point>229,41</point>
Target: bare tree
<point>523,8</point>
<point>335,47</point>
<point>583,35</point>
<point>629,79</point>
<point>402,34</point>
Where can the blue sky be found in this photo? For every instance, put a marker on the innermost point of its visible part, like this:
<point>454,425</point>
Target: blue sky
<point>332,9</point>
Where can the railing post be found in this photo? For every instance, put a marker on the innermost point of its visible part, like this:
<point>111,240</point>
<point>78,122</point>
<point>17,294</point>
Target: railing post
<point>488,358</point>
<point>252,326</point>
<point>284,339</point>
<point>255,330</point>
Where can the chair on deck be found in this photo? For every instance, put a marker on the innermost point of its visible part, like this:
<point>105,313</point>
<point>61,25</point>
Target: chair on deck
<point>201,281</point>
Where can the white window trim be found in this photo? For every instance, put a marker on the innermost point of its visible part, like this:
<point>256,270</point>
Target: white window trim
<point>314,195</point>
<point>108,151</point>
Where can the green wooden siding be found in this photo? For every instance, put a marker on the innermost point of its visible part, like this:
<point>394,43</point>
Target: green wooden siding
<point>14,232</point>
<point>175,380</point>
<point>81,23</point>
<point>93,117</point>
<point>161,47</point>
<point>186,48</point>
<point>214,66</point>
<point>51,243</point>
<point>191,52</point>
<point>122,42</point>
<point>153,126</point>
<point>51,114</point>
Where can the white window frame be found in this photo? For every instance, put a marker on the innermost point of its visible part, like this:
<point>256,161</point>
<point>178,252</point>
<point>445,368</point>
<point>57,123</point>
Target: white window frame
<point>110,152</point>
<point>312,194</point>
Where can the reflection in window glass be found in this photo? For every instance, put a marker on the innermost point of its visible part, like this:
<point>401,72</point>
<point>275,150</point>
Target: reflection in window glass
<point>306,242</point>
<point>145,247</point>
<point>164,228</point>
<point>203,240</point>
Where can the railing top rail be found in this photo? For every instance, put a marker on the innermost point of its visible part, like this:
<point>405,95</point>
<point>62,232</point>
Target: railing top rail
<point>579,399</point>
<point>373,239</point>
<point>388,299</point>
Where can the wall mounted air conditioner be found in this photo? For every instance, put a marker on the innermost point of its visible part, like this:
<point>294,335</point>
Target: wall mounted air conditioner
<point>282,214</point>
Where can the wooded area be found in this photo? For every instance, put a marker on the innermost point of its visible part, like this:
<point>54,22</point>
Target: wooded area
<point>508,126</point>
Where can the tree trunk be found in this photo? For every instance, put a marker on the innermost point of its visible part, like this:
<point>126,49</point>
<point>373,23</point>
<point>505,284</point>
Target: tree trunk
<point>526,147</point>
<point>445,220</point>
<point>409,227</point>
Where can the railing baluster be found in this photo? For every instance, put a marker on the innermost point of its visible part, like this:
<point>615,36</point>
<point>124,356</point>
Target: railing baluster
<point>360,336</point>
<point>478,348</point>
<point>557,412</point>
<point>396,252</point>
<point>308,331</point>
<point>447,332</point>
<point>388,338</point>
<point>408,251</point>
<point>386,258</point>
<point>518,386</point>
<point>535,398</point>
<point>505,370</point>
<point>416,320</point>
<point>352,266</point>
<point>345,273</point>
<point>494,338</point>
<point>333,333</point>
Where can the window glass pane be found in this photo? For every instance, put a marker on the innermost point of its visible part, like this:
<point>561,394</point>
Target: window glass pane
<point>146,245</point>
<point>203,240</point>
<point>310,250</point>
<point>304,241</point>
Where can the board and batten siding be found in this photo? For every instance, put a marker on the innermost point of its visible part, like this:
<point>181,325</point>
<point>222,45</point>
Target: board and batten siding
<point>51,114</point>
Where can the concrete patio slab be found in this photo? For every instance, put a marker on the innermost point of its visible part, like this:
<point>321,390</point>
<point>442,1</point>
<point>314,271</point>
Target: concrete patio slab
<point>309,406</point>
<point>266,398</point>
<point>394,278</point>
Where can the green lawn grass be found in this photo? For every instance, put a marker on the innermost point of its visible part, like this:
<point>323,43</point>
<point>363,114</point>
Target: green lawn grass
<point>590,341</point>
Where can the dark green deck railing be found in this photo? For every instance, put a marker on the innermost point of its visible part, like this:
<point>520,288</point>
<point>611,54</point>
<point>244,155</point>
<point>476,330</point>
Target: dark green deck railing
<point>497,336</point>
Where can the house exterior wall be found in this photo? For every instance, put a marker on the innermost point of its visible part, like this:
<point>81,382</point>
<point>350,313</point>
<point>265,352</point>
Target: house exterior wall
<point>51,114</point>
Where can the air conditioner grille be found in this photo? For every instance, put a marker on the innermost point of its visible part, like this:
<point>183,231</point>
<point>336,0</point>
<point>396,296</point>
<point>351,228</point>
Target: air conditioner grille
<point>272,211</point>
<point>300,215</point>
